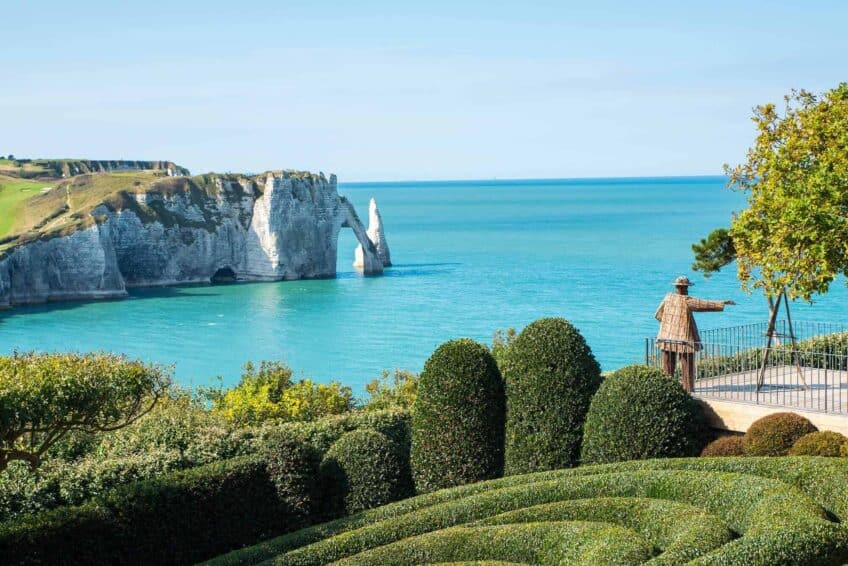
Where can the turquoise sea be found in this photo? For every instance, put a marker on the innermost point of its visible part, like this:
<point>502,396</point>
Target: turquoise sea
<point>471,257</point>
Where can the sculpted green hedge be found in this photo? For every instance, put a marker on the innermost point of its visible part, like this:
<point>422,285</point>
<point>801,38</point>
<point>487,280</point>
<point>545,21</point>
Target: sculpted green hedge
<point>186,516</point>
<point>363,469</point>
<point>819,443</point>
<point>550,376</point>
<point>458,418</point>
<point>639,413</point>
<point>700,510</point>
<point>179,518</point>
<point>774,435</point>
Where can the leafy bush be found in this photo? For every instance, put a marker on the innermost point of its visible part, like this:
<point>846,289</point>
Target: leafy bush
<point>398,393</point>
<point>687,508</point>
<point>363,469</point>
<point>458,419</point>
<point>322,433</point>
<point>550,376</point>
<point>774,435</point>
<point>729,445</point>
<point>639,413</point>
<point>177,434</point>
<point>268,393</point>
<point>180,518</point>
<point>820,443</point>
<point>44,397</point>
<point>293,465</point>
<point>501,341</point>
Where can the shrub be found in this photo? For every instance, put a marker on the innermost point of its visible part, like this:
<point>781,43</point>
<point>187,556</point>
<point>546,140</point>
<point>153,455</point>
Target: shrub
<point>397,393</point>
<point>45,397</point>
<point>729,445</point>
<point>293,465</point>
<point>180,518</point>
<point>774,435</point>
<point>177,434</point>
<point>550,376</point>
<point>820,443</point>
<point>268,393</point>
<point>639,413</point>
<point>363,469</point>
<point>688,508</point>
<point>322,433</point>
<point>458,419</point>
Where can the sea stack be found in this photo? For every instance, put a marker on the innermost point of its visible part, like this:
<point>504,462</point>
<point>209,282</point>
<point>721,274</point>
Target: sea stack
<point>377,236</point>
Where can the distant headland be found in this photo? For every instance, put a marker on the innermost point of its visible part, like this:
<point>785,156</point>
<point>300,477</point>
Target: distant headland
<point>74,229</point>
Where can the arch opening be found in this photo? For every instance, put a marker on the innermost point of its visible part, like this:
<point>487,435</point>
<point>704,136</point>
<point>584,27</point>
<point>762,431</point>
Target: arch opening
<point>224,275</point>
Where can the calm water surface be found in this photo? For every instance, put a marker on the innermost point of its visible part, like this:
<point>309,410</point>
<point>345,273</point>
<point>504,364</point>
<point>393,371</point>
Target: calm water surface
<point>471,257</point>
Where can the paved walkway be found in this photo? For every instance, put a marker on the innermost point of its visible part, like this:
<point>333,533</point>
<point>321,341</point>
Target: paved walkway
<point>784,386</point>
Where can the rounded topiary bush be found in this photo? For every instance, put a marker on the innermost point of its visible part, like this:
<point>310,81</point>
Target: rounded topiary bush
<point>730,445</point>
<point>774,435</point>
<point>458,418</point>
<point>640,413</point>
<point>820,443</point>
<point>293,465</point>
<point>550,376</point>
<point>363,469</point>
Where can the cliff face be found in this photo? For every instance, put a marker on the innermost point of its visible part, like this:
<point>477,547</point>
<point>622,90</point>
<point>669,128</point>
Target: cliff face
<point>191,230</point>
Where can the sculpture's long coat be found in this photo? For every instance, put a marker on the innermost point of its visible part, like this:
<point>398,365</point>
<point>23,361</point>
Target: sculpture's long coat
<point>678,331</point>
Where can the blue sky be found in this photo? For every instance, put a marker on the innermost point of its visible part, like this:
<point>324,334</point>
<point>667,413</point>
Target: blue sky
<point>388,90</point>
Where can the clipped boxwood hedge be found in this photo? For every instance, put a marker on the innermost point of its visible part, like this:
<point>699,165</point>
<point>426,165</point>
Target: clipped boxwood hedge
<point>293,466</point>
<point>322,433</point>
<point>776,509</point>
<point>550,376</point>
<point>819,443</point>
<point>363,469</point>
<point>180,518</point>
<point>458,418</point>
<point>774,435</point>
<point>639,413</point>
<point>729,445</point>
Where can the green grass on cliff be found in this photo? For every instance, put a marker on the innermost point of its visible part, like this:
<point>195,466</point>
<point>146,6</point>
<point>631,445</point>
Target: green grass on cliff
<point>13,195</point>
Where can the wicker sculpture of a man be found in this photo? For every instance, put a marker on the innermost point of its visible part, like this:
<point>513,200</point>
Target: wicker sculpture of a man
<point>678,337</point>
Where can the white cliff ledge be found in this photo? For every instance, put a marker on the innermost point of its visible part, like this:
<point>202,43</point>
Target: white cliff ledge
<point>179,230</point>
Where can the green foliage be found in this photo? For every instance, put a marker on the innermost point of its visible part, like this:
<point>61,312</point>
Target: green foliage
<point>458,419</point>
<point>180,518</point>
<point>793,233</point>
<point>177,434</point>
<point>819,443</point>
<point>711,510</point>
<point>639,413</point>
<point>293,466</point>
<point>322,433</point>
<point>714,252</point>
<point>397,391</point>
<point>363,469</point>
<point>550,376</point>
<point>43,397</point>
<point>268,393</point>
<point>774,435</point>
<point>501,342</point>
<point>729,445</point>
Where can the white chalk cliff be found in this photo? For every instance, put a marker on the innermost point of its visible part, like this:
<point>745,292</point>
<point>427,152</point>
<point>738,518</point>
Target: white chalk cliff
<point>181,230</point>
<point>377,237</point>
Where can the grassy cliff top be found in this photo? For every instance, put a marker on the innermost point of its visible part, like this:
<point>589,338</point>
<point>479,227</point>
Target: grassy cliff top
<point>36,203</point>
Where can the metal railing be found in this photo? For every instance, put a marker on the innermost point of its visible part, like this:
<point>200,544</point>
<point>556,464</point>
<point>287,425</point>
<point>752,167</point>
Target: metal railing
<point>811,375</point>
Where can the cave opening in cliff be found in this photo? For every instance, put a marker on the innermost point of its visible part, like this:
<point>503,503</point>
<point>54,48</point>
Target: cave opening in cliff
<point>224,275</point>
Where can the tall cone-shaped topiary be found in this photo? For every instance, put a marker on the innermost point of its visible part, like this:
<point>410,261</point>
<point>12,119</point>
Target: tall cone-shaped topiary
<point>550,375</point>
<point>458,418</point>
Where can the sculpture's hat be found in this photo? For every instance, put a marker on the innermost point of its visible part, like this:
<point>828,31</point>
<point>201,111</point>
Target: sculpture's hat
<point>682,281</point>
